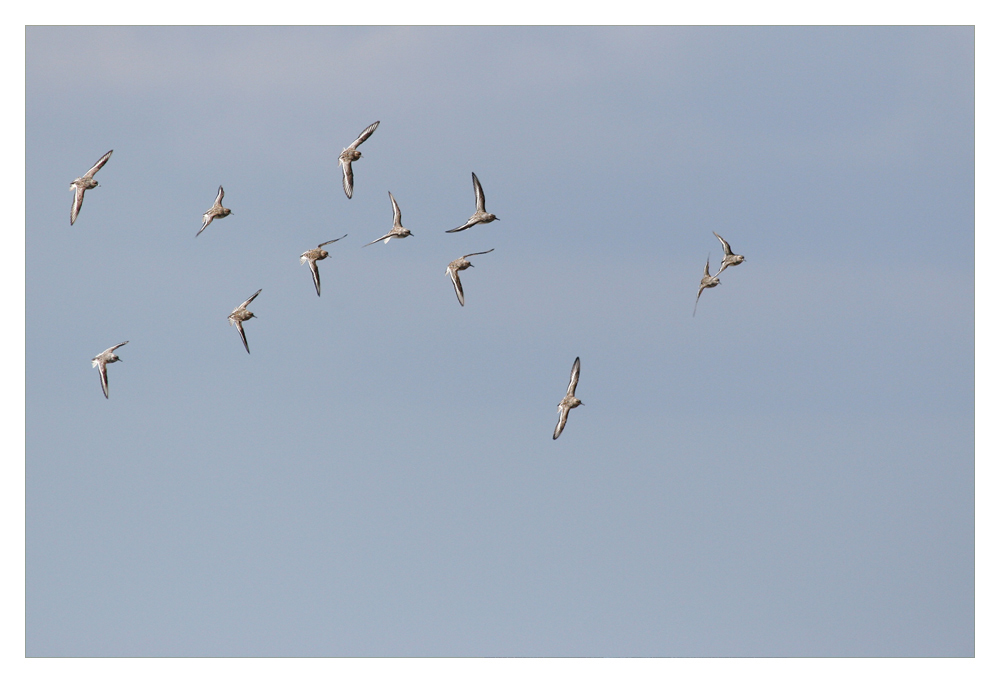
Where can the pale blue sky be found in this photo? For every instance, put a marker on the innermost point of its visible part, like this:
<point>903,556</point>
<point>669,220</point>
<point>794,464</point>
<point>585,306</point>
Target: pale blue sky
<point>788,473</point>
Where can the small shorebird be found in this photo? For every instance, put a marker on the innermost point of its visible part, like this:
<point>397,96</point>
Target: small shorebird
<point>397,225</point>
<point>352,154</point>
<point>480,216</point>
<point>730,259</point>
<point>101,361</point>
<point>84,183</point>
<point>240,315</point>
<point>706,282</point>
<point>570,401</point>
<point>457,265</point>
<point>314,255</point>
<point>217,211</point>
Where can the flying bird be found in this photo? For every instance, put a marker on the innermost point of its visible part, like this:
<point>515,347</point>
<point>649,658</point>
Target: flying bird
<point>314,255</point>
<point>730,259</point>
<point>240,315</point>
<point>397,225</point>
<point>480,216</point>
<point>101,361</point>
<point>352,154</point>
<point>457,265</point>
<point>84,183</point>
<point>706,282</point>
<point>570,401</point>
<point>217,211</point>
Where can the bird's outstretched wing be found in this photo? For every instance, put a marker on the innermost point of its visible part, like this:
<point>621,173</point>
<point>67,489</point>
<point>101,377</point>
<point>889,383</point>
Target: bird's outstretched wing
<point>330,242</point>
<point>574,378</point>
<point>472,221</point>
<point>365,134</point>
<point>397,216</point>
<point>116,346</point>
<point>478,253</point>
<point>480,197</point>
<point>97,167</point>
<point>725,244</point>
<point>385,236</point>
<point>453,272</point>
<point>243,336</point>
<point>77,203</point>
<point>315,271</point>
<point>563,415</point>
<point>348,177</point>
<point>103,367</point>
<point>247,302</point>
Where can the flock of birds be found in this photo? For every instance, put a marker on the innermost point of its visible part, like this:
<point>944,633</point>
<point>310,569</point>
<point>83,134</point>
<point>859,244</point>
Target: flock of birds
<point>351,154</point>
<point>728,259</point>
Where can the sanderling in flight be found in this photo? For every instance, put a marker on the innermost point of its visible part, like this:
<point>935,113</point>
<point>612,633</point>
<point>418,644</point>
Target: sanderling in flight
<point>240,315</point>
<point>480,216</point>
<point>730,259</point>
<point>352,154</point>
<point>457,265</point>
<point>706,282</point>
<point>397,225</point>
<point>314,255</point>
<point>217,211</point>
<point>84,183</point>
<point>570,401</point>
<point>101,361</point>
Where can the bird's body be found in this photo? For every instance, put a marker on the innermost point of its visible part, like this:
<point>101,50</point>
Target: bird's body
<point>480,216</point>
<point>101,361</point>
<point>240,315</point>
<point>707,281</point>
<point>351,154</point>
<point>217,211</point>
<point>570,401</point>
<point>314,255</point>
<point>397,225</point>
<point>457,265</point>
<point>729,259</point>
<point>84,183</point>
